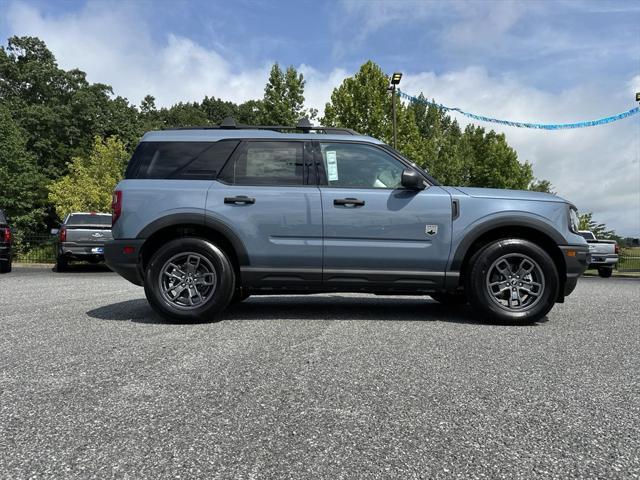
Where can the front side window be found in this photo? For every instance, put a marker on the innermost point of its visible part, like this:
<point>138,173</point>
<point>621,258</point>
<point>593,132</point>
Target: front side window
<point>352,165</point>
<point>266,163</point>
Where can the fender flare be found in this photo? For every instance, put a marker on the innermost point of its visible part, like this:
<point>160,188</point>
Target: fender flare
<point>208,222</point>
<point>493,223</point>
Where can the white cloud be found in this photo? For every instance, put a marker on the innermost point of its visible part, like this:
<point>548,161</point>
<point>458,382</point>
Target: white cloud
<point>598,168</point>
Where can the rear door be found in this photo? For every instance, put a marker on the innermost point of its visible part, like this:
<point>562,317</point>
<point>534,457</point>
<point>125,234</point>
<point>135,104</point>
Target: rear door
<point>376,233</point>
<point>88,229</point>
<point>267,195</point>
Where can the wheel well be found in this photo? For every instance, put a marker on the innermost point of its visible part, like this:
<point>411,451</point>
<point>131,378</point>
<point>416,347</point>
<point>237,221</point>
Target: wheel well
<point>524,233</point>
<point>164,235</point>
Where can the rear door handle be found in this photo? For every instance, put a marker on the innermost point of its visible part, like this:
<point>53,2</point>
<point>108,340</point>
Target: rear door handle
<point>240,199</point>
<point>348,201</point>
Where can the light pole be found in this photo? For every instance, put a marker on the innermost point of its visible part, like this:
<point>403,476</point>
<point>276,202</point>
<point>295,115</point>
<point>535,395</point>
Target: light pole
<point>395,80</point>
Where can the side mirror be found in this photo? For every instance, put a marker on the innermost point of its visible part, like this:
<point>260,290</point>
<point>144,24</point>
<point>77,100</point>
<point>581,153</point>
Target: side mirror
<point>412,180</point>
<point>54,231</point>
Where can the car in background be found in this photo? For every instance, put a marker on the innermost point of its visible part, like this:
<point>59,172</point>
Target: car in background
<point>604,253</point>
<point>81,237</point>
<point>5,244</point>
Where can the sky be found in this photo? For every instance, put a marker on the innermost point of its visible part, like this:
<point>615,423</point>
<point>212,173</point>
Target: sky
<point>533,61</point>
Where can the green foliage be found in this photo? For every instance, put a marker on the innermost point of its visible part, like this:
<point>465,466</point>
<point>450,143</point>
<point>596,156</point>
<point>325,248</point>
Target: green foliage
<point>52,122</point>
<point>283,102</point>
<point>22,193</point>
<point>427,135</point>
<point>60,110</point>
<point>541,186</point>
<point>91,179</point>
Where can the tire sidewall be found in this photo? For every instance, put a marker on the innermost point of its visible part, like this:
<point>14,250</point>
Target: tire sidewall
<point>215,304</point>
<point>481,298</point>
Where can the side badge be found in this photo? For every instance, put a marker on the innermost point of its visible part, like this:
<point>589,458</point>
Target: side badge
<point>431,230</point>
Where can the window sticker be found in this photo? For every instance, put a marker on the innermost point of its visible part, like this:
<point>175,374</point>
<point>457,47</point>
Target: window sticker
<point>332,165</point>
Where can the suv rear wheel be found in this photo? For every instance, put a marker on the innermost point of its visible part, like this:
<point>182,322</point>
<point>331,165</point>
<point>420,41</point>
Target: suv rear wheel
<point>189,279</point>
<point>512,281</point>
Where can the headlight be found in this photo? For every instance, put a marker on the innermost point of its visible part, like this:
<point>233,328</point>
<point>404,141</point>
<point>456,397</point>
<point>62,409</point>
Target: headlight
<point>574,220</point>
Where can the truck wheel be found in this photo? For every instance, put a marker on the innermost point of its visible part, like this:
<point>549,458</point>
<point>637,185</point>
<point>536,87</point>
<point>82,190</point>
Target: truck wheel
<point>61,263</point>
<point>5,267</point>
<point>449,298</point>
<point>512,281</point>
<point>605,272</point>
<point>189,280</point>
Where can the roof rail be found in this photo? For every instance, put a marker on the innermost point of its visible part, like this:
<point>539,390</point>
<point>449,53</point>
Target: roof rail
<point>304,125</point>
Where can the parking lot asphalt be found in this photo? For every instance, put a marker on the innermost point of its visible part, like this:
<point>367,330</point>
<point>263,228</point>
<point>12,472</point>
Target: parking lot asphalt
<point>93,385</point>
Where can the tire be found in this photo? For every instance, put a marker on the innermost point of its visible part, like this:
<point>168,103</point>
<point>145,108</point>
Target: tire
<point>449,298</point>
<point>61,264</point>
<point>490,286</point>
<point>207,273</point>
<point>5,267</point>
<point>605,272</point>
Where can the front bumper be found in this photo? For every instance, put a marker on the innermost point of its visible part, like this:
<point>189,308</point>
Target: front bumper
<point>577,259</point>
<point>127,265</point>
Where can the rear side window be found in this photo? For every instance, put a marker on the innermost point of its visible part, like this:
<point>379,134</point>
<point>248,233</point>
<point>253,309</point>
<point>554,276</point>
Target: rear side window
<point>180,160</point>
<point>266,163</point>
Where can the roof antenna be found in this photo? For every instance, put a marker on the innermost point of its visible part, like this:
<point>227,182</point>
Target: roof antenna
<point>304,124</point>
<point>228,123</point>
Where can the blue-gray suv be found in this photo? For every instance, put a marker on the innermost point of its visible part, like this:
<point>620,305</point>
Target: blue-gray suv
<point>208,216</point>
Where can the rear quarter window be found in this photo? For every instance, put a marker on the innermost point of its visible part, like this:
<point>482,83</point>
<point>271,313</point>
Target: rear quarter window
<point>179,160</point>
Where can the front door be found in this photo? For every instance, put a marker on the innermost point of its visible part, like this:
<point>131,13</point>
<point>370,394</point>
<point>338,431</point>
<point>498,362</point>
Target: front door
<point>377,233</point>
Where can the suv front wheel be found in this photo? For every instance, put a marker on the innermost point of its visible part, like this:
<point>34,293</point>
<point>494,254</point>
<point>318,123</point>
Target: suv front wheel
<point>512,281</point>
<point>189,279</point>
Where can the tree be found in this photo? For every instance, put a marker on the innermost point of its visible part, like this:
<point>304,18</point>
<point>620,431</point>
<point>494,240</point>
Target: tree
<point>22,192</point>
<point>91,179</point>
<point>541,186</point>
<point>600,230</point>
<point>362,103</point>
<point>283,101</point>
<point>59,111</point>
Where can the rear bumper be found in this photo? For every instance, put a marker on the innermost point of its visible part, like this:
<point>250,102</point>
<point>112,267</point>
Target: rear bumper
<point>81,251</point>
<point>126,265</point>
<point>5,253</point>
<point>607,260</point>
<point>577,258</point>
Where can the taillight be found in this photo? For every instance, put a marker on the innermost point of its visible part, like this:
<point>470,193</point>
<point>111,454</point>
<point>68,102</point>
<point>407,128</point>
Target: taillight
<point>617,249</point>
<point>116,206</point>
<point>62,234</point>
<point>7,235</point>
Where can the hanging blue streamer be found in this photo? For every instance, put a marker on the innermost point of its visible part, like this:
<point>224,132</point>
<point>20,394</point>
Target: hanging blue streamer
<point>540,126</point>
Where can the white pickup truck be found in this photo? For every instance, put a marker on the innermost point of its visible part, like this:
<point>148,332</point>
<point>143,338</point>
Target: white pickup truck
<point>604,253</point>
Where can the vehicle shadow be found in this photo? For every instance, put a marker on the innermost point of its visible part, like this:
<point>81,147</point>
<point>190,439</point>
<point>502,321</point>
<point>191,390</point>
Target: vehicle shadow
<point>83,268</point>
<point>305,307</point>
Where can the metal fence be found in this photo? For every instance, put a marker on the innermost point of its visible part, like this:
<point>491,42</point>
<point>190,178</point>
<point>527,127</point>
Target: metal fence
<point>629,260</point>
<point>34,248</point>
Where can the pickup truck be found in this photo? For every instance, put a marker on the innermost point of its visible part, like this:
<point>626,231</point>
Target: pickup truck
<point>604,253</point>
<point>81,237</point>
<point>5,244</point>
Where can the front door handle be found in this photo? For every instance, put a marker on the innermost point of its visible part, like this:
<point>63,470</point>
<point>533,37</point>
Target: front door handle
<point>240,199</point>
<point>354,202</point>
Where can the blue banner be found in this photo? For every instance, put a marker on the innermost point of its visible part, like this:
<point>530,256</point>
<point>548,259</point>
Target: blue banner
<point>541,126</point>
